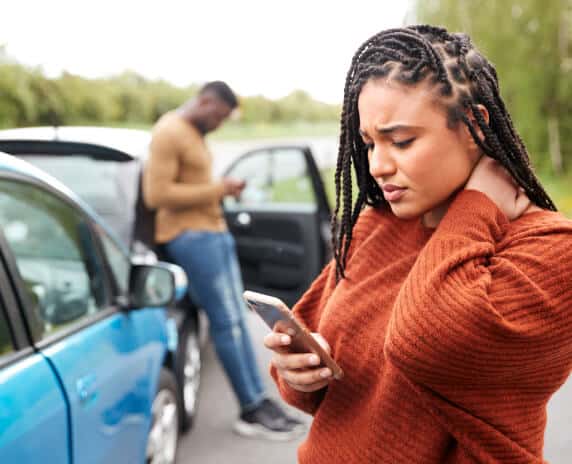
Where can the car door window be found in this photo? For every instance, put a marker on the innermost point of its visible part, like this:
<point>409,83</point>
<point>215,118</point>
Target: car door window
<point>119,263</point>
<point>55,254</point>
<point>273,177</point>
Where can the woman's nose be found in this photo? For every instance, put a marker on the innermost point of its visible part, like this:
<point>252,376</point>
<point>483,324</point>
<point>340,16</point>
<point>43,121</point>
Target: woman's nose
<point>381,163</point>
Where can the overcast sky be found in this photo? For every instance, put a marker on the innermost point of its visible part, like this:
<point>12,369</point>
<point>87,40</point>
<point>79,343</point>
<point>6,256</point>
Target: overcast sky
<point>263,47</point>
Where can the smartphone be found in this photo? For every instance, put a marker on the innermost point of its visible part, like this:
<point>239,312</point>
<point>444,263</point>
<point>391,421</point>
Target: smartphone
<point>277,315</point>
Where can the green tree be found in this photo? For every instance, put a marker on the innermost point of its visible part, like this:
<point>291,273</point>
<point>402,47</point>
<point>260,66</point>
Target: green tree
<point>17,100</point>
<point>49,105</point>
<point>27,97</point>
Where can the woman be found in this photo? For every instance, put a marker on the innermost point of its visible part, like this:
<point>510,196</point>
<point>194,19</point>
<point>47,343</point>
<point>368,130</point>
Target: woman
<point>448,303</point>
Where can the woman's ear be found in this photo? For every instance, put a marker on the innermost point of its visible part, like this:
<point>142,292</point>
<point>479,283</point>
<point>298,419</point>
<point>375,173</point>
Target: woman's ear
<point>473,119</point>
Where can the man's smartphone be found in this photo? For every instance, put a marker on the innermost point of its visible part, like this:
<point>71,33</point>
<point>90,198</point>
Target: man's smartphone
<point>278,316</point>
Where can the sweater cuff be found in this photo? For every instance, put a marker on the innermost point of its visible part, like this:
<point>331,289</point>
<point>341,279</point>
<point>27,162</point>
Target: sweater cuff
<point>307,402</point>
<point>473,214</point>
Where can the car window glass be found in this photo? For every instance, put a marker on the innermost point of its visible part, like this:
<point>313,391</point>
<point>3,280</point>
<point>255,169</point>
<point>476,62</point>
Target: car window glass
<point>291,181</point>
<point>5,338</point>
<point>55,253</point>
<point>119,263</point>
<point>110,188</point>
<point>255,170</point>
<point>277,176</point>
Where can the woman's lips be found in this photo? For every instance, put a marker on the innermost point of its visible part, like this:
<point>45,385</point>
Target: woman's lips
<point>393,192</point>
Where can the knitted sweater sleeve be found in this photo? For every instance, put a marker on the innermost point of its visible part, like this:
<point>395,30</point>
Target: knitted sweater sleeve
<point>484,321</point>
<point>471,313</point>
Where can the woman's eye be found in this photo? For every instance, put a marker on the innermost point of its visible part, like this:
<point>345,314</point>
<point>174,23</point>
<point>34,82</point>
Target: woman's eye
<point>404,143</point>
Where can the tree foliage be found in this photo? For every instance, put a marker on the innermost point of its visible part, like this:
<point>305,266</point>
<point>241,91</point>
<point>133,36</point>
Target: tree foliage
<point>29,98</point>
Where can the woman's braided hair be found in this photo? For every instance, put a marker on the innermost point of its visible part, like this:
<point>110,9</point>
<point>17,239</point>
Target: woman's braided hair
<point>462,78</point>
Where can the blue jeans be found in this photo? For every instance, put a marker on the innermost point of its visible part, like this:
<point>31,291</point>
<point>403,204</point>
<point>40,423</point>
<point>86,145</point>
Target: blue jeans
<point>215,284</point>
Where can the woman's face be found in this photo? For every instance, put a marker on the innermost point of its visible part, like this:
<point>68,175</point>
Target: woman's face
<point>417,161</point>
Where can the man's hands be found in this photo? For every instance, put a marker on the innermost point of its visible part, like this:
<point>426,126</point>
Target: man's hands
<point>301,371</point>
<point>492,179</point>
<point>233,187</point>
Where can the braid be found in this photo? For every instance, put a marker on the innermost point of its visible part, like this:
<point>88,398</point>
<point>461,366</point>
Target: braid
<point>464,79</point>
<point>345,140</point>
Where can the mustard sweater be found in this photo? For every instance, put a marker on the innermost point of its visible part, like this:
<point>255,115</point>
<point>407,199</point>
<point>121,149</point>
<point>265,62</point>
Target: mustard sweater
<point>177,180</point>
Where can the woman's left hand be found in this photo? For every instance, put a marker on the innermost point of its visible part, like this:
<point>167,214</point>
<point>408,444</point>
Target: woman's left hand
<point>492,179</point>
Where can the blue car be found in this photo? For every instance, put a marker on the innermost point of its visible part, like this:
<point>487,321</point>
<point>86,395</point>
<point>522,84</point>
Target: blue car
<point>102,166</point>
<point>87,349</point>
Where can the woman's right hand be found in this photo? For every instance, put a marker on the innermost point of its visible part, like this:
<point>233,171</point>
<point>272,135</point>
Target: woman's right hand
<point>301,371</point>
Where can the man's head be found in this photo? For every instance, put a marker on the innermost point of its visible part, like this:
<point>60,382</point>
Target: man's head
<point>214,103</point>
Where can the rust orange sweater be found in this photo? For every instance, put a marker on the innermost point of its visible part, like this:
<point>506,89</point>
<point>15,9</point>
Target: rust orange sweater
<point>452,341</point>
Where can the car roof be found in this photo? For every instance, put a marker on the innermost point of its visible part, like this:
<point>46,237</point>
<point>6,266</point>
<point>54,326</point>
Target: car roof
<point>134,142</point>
<point>12,164</point>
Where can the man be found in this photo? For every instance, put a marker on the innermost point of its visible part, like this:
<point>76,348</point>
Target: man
<point>191,227</point>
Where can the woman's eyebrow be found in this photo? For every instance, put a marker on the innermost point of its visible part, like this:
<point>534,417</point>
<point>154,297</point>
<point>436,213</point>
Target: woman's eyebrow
<point>388,130</point>
<point>395,128</point>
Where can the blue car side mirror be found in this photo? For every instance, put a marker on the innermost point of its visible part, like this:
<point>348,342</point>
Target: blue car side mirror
<point>156,285</point>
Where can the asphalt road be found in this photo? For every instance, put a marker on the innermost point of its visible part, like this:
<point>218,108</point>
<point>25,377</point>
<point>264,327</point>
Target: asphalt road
<point>213,442</point>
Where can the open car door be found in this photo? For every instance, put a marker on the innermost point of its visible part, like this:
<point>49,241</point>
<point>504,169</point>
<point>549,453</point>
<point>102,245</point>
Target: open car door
<point>281,222</point>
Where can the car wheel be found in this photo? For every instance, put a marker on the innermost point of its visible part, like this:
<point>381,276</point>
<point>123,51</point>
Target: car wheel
<point>164,431</point>
<point>189,372</point>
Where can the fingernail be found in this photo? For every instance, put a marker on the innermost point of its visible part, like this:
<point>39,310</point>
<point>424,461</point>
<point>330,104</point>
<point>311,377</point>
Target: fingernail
<point>314,359</point>
<point>291,332</point>
<point>285,340</point>
<point>325,373</point>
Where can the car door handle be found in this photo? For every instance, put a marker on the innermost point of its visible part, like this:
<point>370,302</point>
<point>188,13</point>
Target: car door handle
<point>243,220</point>
<point>87,388</point>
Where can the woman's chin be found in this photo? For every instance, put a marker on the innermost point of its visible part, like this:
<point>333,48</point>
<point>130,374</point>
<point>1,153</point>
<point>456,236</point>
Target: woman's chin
<point>403,212</point>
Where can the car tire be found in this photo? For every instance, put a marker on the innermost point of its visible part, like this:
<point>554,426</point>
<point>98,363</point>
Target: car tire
<point>188,372</point>
<point>164,431</point>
